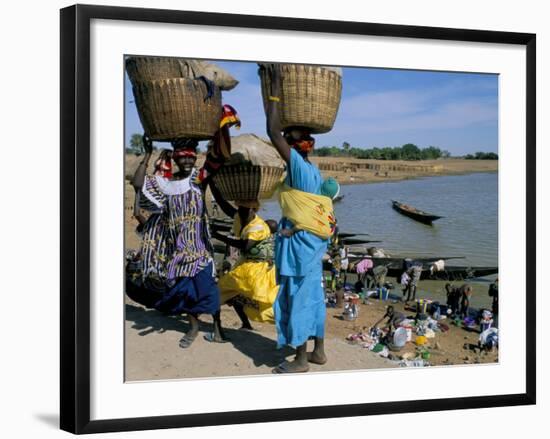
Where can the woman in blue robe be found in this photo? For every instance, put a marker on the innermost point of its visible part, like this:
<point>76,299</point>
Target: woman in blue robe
<point>299,309</point>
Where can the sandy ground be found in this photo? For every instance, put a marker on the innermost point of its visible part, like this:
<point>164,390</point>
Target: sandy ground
<point>356,171</point>
<point>152,350</point>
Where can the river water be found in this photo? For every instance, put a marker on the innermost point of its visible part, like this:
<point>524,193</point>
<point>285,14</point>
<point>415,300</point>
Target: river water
<point>468,203</point>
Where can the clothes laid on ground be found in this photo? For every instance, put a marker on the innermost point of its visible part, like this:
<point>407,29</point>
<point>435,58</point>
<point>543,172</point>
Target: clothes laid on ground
<point>174,270</point>
<point>252,280</point>
<point>300,307</point>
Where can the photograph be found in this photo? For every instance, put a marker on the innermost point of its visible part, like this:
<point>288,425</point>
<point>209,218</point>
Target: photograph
<point>297,218</point>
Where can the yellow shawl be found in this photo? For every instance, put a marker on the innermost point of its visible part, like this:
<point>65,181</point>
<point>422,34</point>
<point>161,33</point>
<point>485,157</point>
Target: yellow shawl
<point>309,212</point>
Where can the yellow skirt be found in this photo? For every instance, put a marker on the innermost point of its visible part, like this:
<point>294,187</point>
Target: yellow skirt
<point>254,283</point>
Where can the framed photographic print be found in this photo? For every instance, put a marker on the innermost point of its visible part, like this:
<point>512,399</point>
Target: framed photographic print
<point>292,219</point>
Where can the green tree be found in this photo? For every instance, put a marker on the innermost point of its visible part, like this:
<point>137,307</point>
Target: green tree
<point>136,144</point>
<point>346,146</point>
<point>410,151</point>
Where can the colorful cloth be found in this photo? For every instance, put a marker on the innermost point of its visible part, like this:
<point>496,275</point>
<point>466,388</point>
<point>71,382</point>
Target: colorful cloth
<point>300,309</point>
<point>175,247</point>
<point>163,167</point>
<point>305,145</point>
<point>364,265</point>
<point>310,212</point>
<point>252,280</point>
<point>219,148</point>
<point>196,295</point>
<point>230,117</point>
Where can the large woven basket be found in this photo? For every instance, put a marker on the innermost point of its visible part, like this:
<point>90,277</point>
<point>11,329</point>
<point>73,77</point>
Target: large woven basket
<point>173,108</point>
<point>310,96</point>
<point>152,68</point>
<point>248,182</point>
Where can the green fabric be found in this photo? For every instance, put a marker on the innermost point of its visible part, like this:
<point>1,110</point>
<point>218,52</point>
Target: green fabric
<point>330,188</point>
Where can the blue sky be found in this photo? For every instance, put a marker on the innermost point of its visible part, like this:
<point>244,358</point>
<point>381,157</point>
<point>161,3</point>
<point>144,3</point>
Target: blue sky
<point>381,107</point>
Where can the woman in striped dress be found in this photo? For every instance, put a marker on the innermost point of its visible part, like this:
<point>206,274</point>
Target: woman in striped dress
<point>174,270</point>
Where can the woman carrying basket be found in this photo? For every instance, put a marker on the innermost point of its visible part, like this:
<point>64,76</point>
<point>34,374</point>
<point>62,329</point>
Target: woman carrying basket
<point>174,270</point>
<point>300,307</point>
<point>250,287</point>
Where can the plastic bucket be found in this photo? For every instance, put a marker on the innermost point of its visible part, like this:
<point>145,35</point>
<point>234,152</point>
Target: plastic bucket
<point>383,293</point>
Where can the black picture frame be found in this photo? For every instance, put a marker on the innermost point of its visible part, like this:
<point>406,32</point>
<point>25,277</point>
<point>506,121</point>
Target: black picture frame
<point>75,217</point>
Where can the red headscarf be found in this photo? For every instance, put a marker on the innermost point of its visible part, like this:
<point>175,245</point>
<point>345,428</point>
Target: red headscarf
<point>185,152</point>
<point>304,145</point>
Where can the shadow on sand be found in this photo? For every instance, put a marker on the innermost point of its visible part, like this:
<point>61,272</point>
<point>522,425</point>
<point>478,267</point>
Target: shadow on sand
<point>260,349</point>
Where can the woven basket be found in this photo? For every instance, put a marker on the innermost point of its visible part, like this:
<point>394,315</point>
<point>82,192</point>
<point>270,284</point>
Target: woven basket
<point>173,108</point>
<point>248,182</point>
<point>310,96</point>
<point>152,68</point>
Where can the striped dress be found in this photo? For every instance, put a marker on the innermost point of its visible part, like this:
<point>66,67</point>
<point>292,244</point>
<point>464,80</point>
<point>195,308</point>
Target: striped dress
<point>175,269</point>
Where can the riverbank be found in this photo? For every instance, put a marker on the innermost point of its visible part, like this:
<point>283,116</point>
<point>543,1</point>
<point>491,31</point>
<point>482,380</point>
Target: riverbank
<point>357,171</point>
<point>349,170</point>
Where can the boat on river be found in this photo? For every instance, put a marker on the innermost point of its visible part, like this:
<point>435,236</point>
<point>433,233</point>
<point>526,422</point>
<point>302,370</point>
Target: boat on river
<point>414,213</point>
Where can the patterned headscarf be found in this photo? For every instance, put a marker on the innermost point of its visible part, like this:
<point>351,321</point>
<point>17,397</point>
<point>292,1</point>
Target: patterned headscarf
<point>230,117</point>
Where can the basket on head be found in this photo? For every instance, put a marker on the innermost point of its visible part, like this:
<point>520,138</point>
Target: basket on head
<point>152,68</point>
<point>246,181</point>
<point>176,107</point>
<point>310,96</point>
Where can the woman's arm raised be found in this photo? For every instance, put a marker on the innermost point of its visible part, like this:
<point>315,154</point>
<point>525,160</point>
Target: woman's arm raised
<point>273,117</point>
<point>139,176</point>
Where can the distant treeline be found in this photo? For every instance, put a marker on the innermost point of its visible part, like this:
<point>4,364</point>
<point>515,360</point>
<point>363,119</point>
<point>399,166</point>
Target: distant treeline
<point>405,152</point>
<point>408,151</point>
<point>482,156</point>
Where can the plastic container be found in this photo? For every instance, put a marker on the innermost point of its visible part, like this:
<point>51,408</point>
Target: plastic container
<point>383,293</point>
<point>421,340</point>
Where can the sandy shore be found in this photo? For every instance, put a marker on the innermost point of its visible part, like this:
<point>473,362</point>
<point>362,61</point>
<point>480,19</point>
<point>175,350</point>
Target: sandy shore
<point>152,350</point>
<point>354,171</point>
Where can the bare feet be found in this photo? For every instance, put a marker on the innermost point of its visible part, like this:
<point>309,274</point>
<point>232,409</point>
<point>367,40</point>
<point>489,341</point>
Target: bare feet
<point>316,357</point>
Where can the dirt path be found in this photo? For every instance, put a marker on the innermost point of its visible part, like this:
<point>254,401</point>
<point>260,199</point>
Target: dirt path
<point>152,350</point>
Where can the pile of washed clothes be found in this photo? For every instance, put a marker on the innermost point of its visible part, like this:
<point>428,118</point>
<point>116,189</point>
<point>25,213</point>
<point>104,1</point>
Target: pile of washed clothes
<point>383,343</point>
